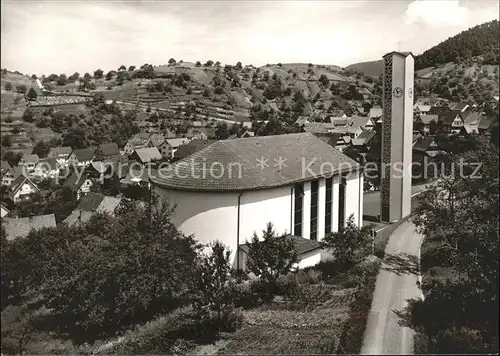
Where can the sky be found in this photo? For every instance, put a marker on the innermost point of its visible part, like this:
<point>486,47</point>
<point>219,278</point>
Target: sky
<point>44,37</point>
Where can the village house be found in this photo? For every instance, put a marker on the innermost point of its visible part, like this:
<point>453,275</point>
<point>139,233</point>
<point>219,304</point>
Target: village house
<point>81,157</point>
<point>471,122</point>
<point>485,124</point>
<point>133,145</point>
<point>4,211</point>
<point>61,154</point>
<point>22,188</point>
<point>89,205</point>
<point>375,113</point>
<point>9,175</point>
<point>98,170</point>
<point>193,146</point>
<point>362,142</point>
<point>169,146</point>
<point>420,109</point>
<point>460,107</point>
<point>222,194</point>
<point>200,133</point>
<point>108,152</point>
<point>138,177</point>
<point>450,122</point>
<point>146,156</point>
<point>29,162</point>
<point>21,227</point>
<point>424,149</point>
<point>46,168</point>
<point>155,140</point>
<point>426,124</point>
<point>79,184</point>
<point>246,134</point>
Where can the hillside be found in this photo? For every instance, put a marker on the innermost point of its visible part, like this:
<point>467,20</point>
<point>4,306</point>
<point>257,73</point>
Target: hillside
<point>371,68</point>
<point>479,41</point>
<point>231,92</point>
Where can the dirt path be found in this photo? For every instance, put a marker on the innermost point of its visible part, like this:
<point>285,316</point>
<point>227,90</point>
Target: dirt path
<point>396,284</point>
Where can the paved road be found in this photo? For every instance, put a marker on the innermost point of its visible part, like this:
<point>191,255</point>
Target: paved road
<point>371,200</point>
<point>396,283</point>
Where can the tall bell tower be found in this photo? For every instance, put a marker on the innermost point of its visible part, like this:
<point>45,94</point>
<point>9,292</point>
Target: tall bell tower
<point>397,134</point>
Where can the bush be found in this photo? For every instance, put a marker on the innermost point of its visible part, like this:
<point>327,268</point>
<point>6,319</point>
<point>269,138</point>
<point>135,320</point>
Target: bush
<point>21,88</point>
<point>244,296</point>
<point>8,86</point>
<point>175,333</point>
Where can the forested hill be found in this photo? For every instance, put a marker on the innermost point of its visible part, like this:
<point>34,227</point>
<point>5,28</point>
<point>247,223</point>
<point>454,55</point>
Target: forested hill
<point>482,40</point>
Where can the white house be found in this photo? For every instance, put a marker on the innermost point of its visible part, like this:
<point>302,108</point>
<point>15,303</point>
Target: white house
<point>79,183</point>
<point>8,175</point>
<point>134,144</point>
<point>233,188</point>
<point>29,162</point>
<point>82,157</point>
<point>170,146</point>
<point>46,168</point>
<point>22,188</point>
<point>60,154</point>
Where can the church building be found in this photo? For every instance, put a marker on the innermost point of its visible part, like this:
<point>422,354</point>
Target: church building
<point>233,188</point>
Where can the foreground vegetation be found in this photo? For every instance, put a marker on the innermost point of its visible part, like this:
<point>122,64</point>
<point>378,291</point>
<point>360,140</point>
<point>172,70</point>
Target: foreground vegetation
<point>459,219</point>
<point>129,285</point>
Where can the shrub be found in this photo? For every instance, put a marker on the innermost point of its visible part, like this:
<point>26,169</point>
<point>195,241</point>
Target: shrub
<point>21,88</point>
<point>271,257</point>
<point>244,296</point>
<point>8,86</point>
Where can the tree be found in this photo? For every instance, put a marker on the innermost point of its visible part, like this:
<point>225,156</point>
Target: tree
<point>62,80</point>
<point>458,217</point>
<point>32,95</point>
<point>349,240</point>
<point>271,257</point>
<point>8,86</point>
<point>21,88</point>
<point>324,80</point>
<point>6,141</point>
<point>73,77</point>
<point>131,68</point>
<point>171,61</point>
<point>87,76</point>
<point>209,63</point>
<point>75,138</point>
<point>198,64</point>
<point>18,326</point>
<point>221,131</point>
<point>218,90</point>
<point>98,74</point>
<point>109,75</point>
<point>41,149</point>
<point>214,283</point>
<point>122,67</point>
<point>98,277</point>
<point>206,92</point>
<point>12,158</point>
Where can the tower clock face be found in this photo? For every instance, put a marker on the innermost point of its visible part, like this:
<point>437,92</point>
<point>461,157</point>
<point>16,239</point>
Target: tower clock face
<point>410,92</point>
<point>397,92</point>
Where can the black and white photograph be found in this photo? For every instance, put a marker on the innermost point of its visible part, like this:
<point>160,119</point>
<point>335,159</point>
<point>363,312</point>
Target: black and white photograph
<point>243,177</point>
